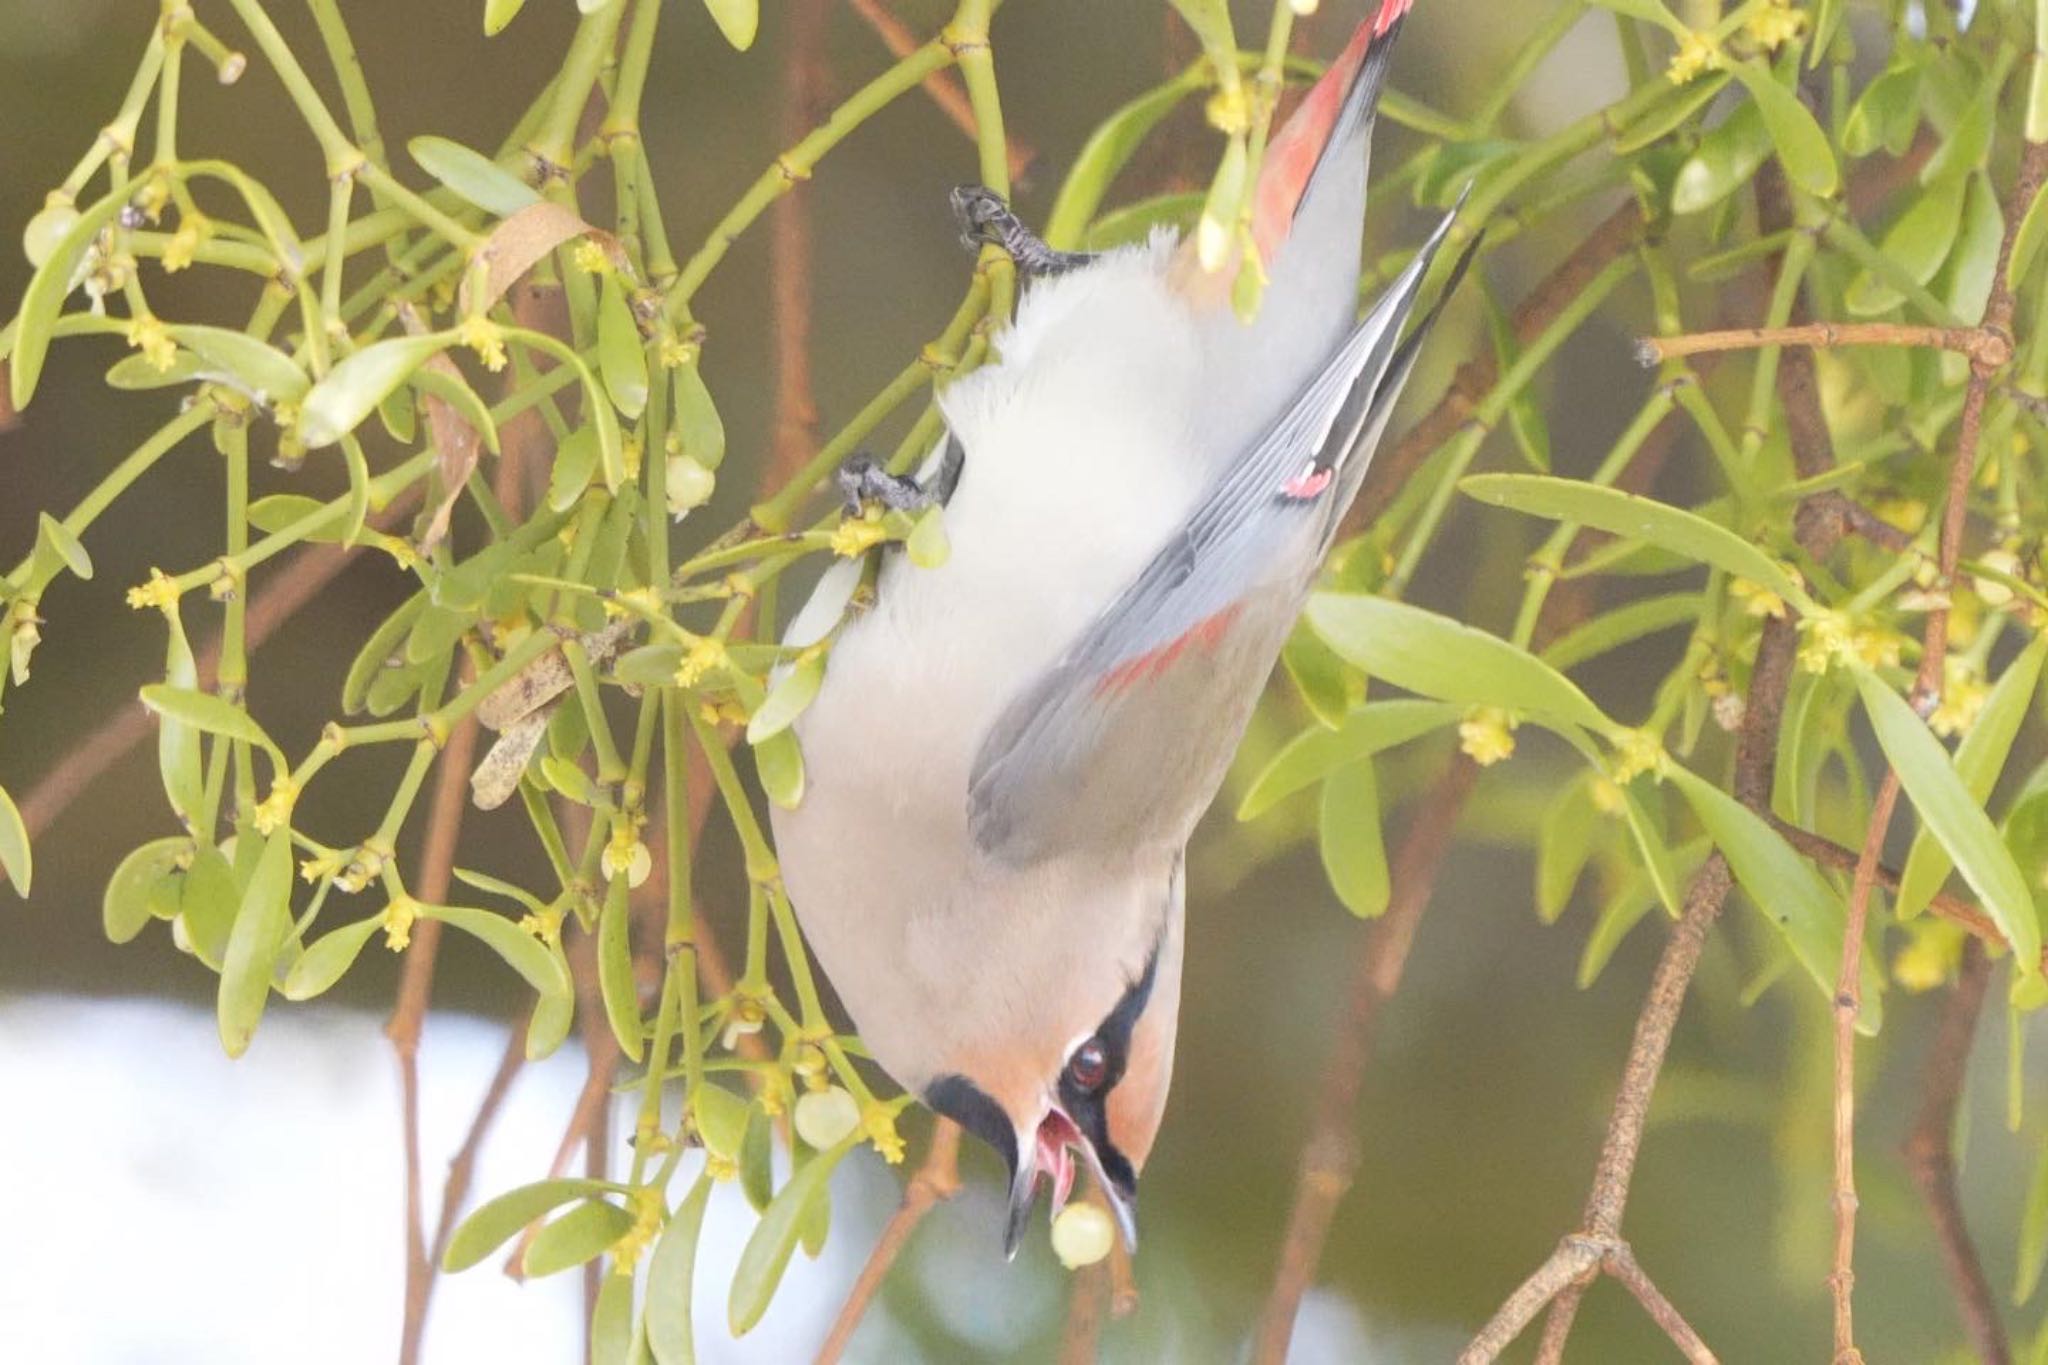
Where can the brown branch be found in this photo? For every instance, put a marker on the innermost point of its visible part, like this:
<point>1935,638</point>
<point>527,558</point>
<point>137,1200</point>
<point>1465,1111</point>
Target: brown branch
<point>462,1166</point>
<point>1932,1160</point>
<point>805,79</point>
<point>1087,1308</point>
<point>1831,854</point>
<point>1329,1160</point>
<point>1981,344</point>
<point>944,87</point>
<point>937,1180</point>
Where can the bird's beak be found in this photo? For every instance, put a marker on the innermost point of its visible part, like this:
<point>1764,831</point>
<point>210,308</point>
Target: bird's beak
<point>1050,1154</point>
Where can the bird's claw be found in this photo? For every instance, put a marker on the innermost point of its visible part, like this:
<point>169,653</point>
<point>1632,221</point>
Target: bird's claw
<point>862,478</point>
<point>986,220</point>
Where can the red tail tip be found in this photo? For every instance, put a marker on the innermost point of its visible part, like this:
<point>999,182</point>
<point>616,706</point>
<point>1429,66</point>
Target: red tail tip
<point>1390,12</point>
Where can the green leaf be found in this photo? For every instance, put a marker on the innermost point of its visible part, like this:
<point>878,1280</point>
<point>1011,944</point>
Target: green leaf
<point>787,698</point>
<point>1802,147</point>
<point>497,886</point>
<point>1571,827</point>
<point>1725,160</point>
<point>523,953</point>
<point>498,13</point>
<point>1967,144</point>
<point>446,383</point>
<point>261,923</point>
<point>279,510</point>
<point>1624,625</point>
<point>1317,752</point>
<point>621,352</point>
<point>205,711</point>
<point>137,373</point>
<point>736,19</point>
<point>1649,11</point>
<point>136,886</point>
<point>1979,759</point>
<point>206,905</point>
<point>66,545</point>
<point>327,957</point>
<point>1348,834</point>
<point>377,652</point>
<point>1917,243</point>
<point>611,1321</point>
<point>575,462</point>
<point>15,859</point>
<point>258,369</point>
<point>2033,1247</point>
<point>1438,657</point>
<point>672,1276</point>
<point>780,765</point>
<point>472,175</point>
<point>1525,413</point>
<point>1108,149</point>
<point>721,1120</point>
<point>1638,518</point>
<point>498,1220</point>
<point>615,970</point>
<point>1785,887</point>
<point>586,1231</point>
<point>757,1159</point>
<point>352,390</point>
<point>1644,829</point>
<point>767,1252</point>
<point>552,1016</point>
<point>177,743</point>
<point>1955,818</point>
<point>41,303</point>
<point>699,428</point>
<point>2032,235</point>
<point>1886,114</point>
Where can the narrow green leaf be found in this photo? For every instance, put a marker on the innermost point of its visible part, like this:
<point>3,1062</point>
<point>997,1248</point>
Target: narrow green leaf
<point>552,1016</point>
<point>2032,234</point>
<point>621,352</point>
<point>1622,910</point>
<point>1917,242</point>
<point>1438,657</point>
<point>498,886</point>
<point>584,1232</point>
<point>1638,518</point>
<point>767,1252</point>
<point>261,923</point>
<point>1624,625</point>
<point>278,510</point>
<point>206,905</point>
<point>721,1120</point>
<point>177,743</point>
<point>1725,160</point>
<point>258,369</point>
<point>135,888</point>
<point>736,19</point>
<point>41,303</point>
<point>352,390</point>
<point>1886,114</point>
<point>1802,147</point>
<point>15,858</point>
<point>2033,1246</point>
<point>1785,887</point>
<point>205,711</point>
<point>757,1159</point>
<point>137,373</point>
<point>447,384</point>
<point>1317,752</point>
<point>378,651</point>
<point>615,970</point>
<point>1979,760</point>
<point>498,1220</point>
<point>1645,830</point>
<point>1348,834</point>
<point>787,698</point>
<point>327,957</point>
<point>780,764</point>
<point>699,428</point>
<point>1571,828</point>
<point>1108,149</point>
<point>611,1322</point>
<point>575,462</point>
<point>1956,819</point>
<point>523,953</point>
<point>498,13</point>
<point>671,1278</point>
<point>65,544</point>
<point>472,175</point>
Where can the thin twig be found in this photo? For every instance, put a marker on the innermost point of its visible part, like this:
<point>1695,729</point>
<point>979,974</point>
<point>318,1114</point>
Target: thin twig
<point>462,1166</point>
<point>937,1180</point>
<point>1949,907</point>
<point>1087,1307</point>
<point>944,87</point>
<point>1931,1158</point>
<point>1980,344</point>
<point>804,81</point>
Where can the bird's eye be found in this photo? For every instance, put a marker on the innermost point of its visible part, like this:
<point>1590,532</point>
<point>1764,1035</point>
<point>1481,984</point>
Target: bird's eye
<point>1089,1066</point>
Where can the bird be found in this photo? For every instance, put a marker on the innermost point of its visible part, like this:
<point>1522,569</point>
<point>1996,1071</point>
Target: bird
<point>1009,751</point>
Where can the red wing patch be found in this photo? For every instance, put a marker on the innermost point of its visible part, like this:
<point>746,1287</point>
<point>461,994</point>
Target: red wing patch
<point>1205,634</point>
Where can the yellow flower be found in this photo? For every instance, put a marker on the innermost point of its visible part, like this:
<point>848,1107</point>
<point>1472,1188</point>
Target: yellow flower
<point>399,917</point>
<point>878,1124</point>
<point>625,856</point>
<point>22,639</point>
<point>646,1207</point>
<point>1825,638</point>
<point>1697,52</point>
<point>326,864</point>
<point>674,352</point>
<point>1607,798</point>
<point>1963,693</point>
<point>179,251</point>
<point>1876,648</point>
<point>274,811</point>
<point>1928,956</point>
<point>362,869</point>
<point>484,337</point>
<point>159,592</point>
<point>148,335</point>
<point>1229,110</point>
<point>1487,735</point>
<point>1635,753</point>
<point>722,1169</point>
<point>1908,514</point>
<point>1776,24</point>
<point>855,536</point>
<point>705,655</point>
<point>1756,599</point>
<point>590,258</point>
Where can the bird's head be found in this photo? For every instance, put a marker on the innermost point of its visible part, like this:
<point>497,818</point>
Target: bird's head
<point>1085,1086</point>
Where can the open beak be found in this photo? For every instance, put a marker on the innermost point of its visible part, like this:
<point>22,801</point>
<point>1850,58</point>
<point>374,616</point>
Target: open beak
<point>1051,1155</point>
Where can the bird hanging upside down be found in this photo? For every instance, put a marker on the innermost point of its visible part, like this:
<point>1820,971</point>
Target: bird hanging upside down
<point>1010,751</point>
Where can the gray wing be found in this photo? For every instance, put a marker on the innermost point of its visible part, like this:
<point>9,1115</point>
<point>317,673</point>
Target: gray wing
<point>1125,739</point>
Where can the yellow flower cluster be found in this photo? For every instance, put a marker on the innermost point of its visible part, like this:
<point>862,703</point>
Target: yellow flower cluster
<point>1776,24</point>
<point>148,335</point>
<point>399,917</point>
<point>1756,599</point>
<point>705,655</point>
<point>878,1124</point>
<point>1829,637</point>
<point>590,258</point>
<point>855,536</point>
<point>1963,693</point>
<point>159,592</point>
<point>183,247</point>
<point>326,864</point>
<point>1635,753</point>
<point>274,811</point>
<point>647,1209</point>
<point>1487,735</point>
<point>484,337</point>
<point>1697,53</point>
<point>674,352</point>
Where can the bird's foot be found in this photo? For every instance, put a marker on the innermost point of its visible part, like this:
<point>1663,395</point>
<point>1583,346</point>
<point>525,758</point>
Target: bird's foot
<point>862,479</point>
<point>985,220</point>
